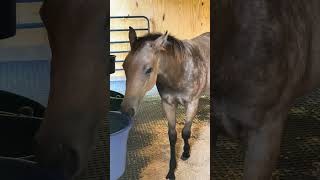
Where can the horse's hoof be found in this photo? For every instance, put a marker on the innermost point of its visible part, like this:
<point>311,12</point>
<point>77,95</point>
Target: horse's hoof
<point>185,156</point>
<point>171,176</point>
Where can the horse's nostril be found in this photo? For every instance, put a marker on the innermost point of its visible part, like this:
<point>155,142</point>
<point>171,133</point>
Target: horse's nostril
<point>59,158</point>
<point>131,112</point>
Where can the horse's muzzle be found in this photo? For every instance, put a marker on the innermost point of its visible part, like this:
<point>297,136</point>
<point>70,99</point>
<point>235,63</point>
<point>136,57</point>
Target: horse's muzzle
<point>129,112</point>
<point>59,158</point>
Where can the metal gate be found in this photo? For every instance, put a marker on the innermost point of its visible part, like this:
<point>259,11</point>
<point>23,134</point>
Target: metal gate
<point>124,51</point>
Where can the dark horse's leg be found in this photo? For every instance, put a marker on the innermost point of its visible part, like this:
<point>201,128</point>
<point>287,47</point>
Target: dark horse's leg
<point>170,111</point>
<point>192,108</point>
<point>264,147</point>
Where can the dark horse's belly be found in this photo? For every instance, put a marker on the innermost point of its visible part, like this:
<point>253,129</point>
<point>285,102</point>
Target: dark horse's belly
<point>264,61</point>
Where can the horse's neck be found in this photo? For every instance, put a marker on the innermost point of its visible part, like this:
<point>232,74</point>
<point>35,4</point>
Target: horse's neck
<point>172,67</point>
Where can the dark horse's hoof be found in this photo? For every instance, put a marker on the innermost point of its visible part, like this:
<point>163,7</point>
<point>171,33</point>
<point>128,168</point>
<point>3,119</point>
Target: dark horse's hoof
<point>170,176</point>
<point>185,156</point>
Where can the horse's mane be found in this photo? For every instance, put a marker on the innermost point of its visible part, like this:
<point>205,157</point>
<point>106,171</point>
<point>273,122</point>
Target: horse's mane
<point>153,36</point>
<point>174,46</point>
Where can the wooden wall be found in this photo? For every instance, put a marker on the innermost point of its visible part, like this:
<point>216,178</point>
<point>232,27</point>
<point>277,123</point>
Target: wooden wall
<point>182,18</point>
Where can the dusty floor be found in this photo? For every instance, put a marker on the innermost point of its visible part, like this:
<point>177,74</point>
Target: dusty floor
<point>149,150</point>
<point>196,167</point>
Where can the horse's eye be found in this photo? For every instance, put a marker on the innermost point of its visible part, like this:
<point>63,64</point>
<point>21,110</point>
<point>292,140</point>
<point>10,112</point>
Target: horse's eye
<point>148,71</point>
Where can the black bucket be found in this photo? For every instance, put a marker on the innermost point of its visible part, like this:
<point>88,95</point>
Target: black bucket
<point>17,129</point>
<point>18,125</point>
<point>17,135</point>
<point>17,104</point>
<point>115,100</point>
<point>7,18</point>
<point>18,169</point>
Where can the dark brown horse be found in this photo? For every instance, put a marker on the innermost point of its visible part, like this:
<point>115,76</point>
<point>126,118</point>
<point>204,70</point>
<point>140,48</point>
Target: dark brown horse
<point>266,53</point>
<point>181,71</point>
<point>78,88</point>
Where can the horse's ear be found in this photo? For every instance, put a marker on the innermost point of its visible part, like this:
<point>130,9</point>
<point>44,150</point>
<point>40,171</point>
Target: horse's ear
<point>132,36</point>
<point>160,42</point>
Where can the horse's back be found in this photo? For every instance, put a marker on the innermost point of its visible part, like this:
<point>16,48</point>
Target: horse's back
<point>203,42</point>
<point>203,38</point>
<point>205,35</point>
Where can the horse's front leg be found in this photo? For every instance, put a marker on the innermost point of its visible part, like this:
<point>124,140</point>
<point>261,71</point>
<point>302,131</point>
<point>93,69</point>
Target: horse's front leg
<point>170,111</point>
<point>192,108</point>
<point>263,148</point>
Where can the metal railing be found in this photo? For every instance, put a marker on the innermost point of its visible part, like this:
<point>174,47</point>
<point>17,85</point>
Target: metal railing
<point>41,25</point>
<point>29,25</point>
<point>28,1</point>
<point>147,28</point>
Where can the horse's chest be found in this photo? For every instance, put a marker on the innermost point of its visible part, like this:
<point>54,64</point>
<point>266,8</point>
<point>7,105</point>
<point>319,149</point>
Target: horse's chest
<point>172,99</point>
<point>175,97</point>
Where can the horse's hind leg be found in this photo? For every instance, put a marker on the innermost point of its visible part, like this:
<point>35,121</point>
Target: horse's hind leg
<point>192,108</point>
<point>263,149</point>
<point>170,111</point>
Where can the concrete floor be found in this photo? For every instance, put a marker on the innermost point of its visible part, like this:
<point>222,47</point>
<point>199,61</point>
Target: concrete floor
<point>148,143</point>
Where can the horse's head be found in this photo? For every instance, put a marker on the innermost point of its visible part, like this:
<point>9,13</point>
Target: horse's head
<point>76,106</point>
<point>141,67</point>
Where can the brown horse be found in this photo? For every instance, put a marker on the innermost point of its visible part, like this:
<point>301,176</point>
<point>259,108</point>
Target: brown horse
<point>78,88</point>
<point>181,71</point>
<point>266,54</point>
